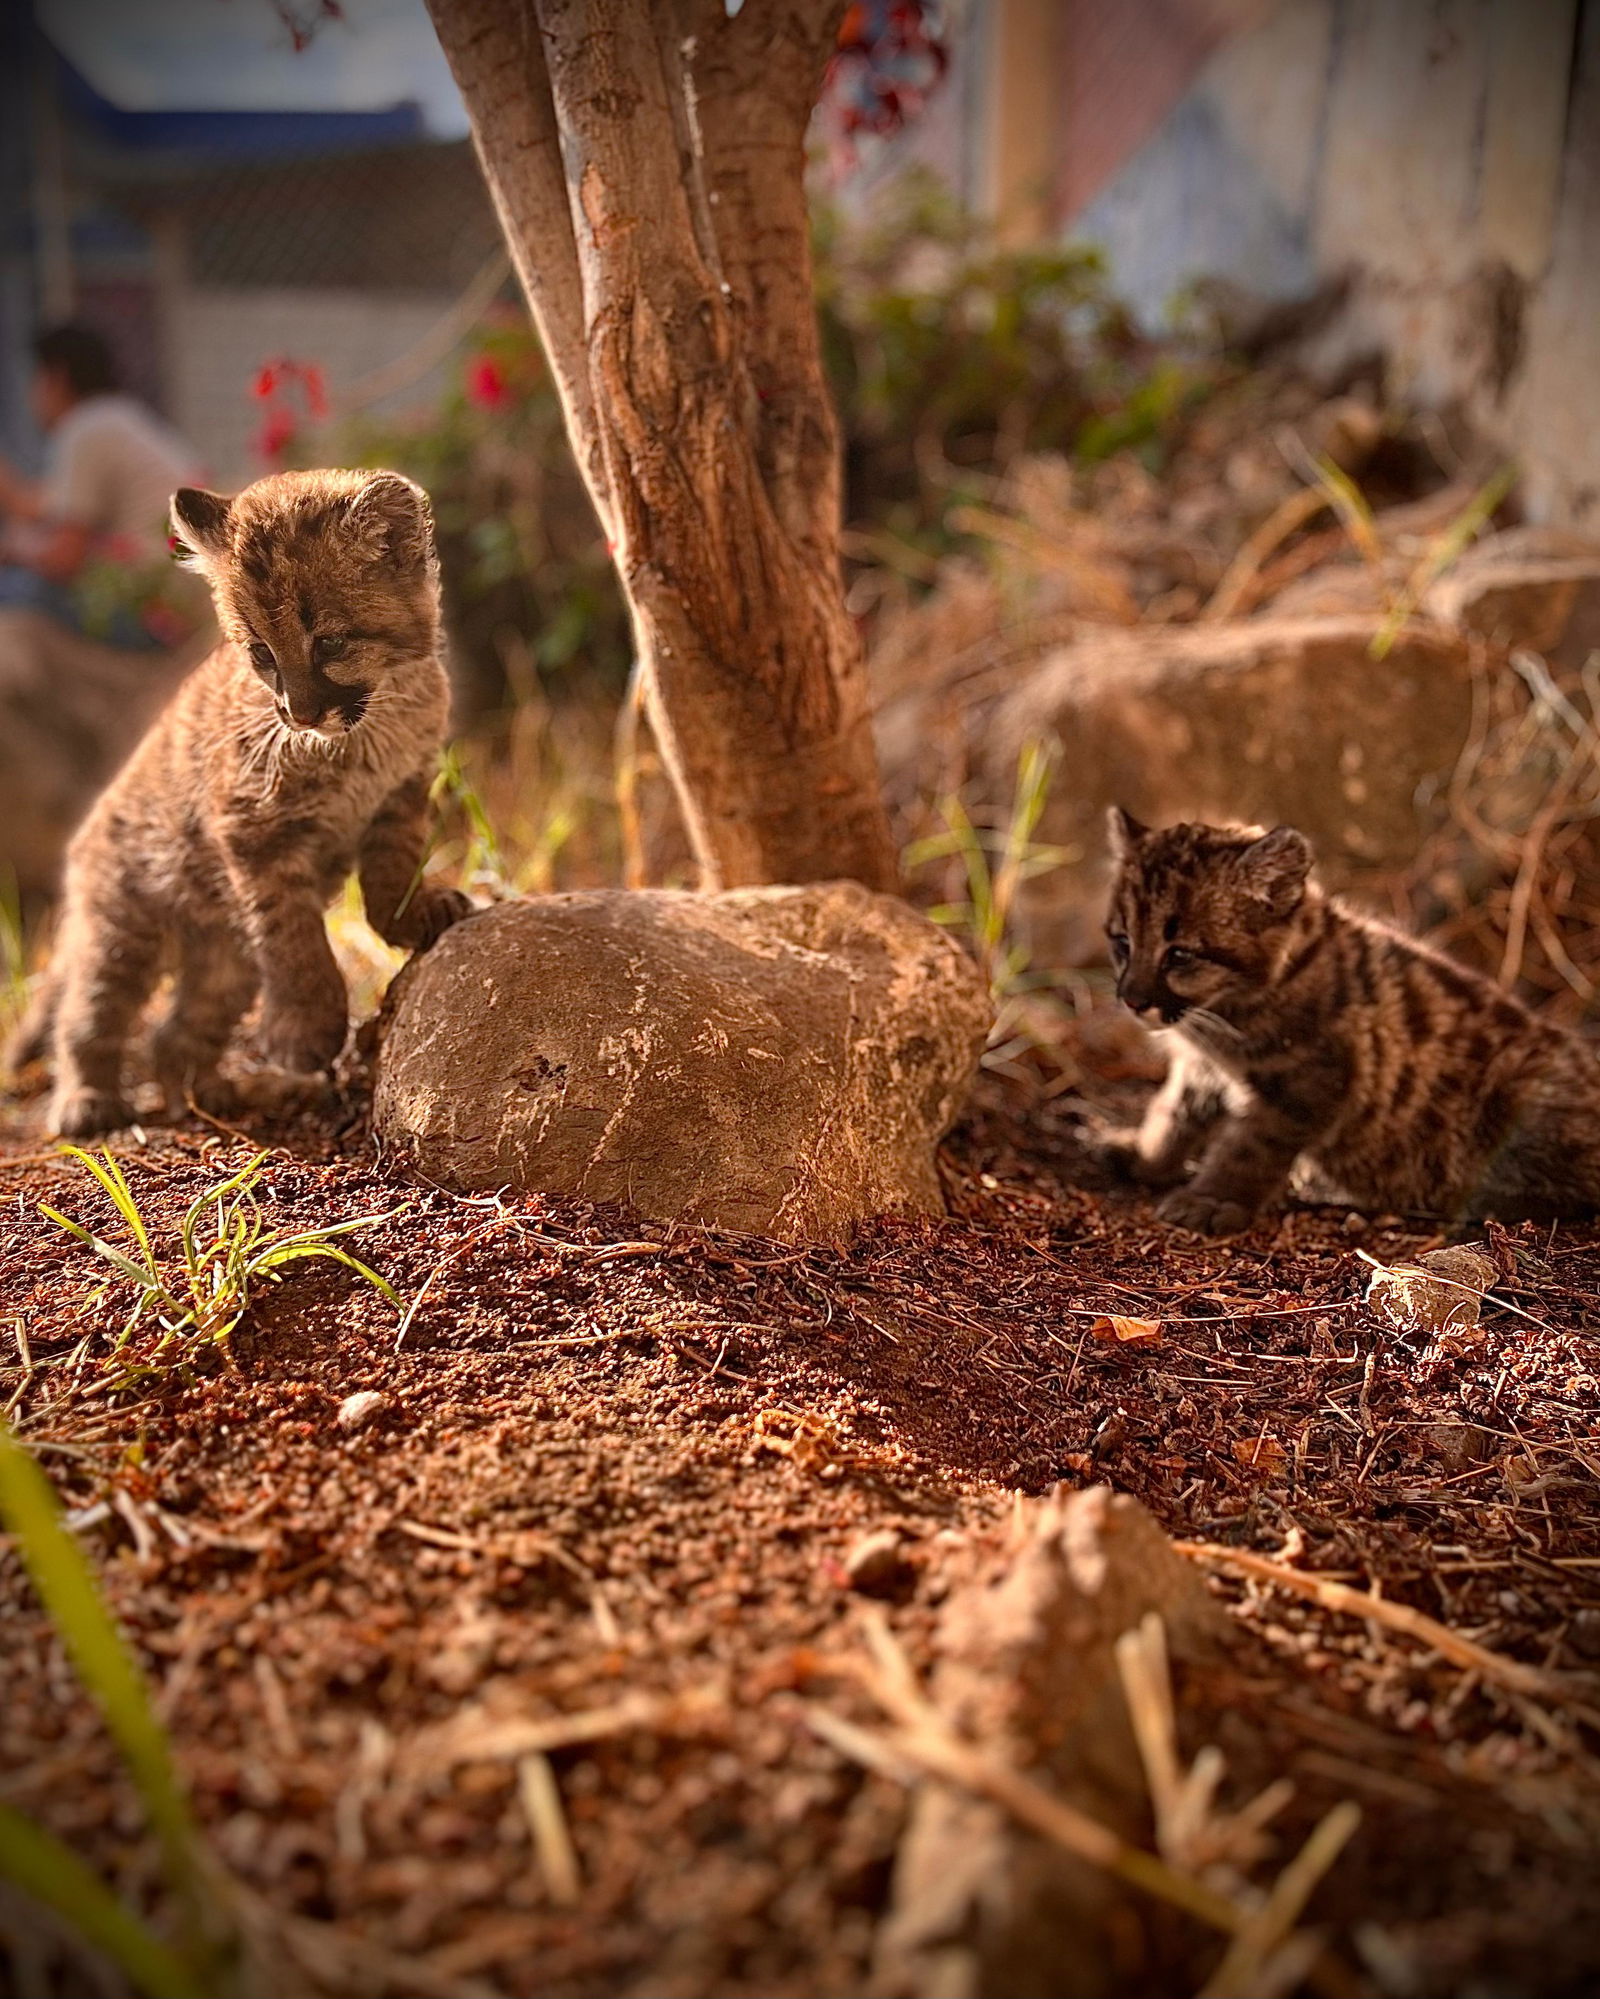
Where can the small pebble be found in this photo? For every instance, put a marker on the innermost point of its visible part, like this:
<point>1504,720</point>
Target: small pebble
<point>1442,1292</point>
<point>876,1566</point>
<point>358,1410</point>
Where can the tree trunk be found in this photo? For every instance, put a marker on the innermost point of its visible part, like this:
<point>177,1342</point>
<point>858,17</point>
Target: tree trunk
<point>647,164</point>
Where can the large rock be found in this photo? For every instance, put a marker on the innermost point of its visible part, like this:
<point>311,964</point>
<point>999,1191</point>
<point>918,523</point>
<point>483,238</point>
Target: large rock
<point>780,1061</point>
<point>1262,721</point>
<point>1535,587</point>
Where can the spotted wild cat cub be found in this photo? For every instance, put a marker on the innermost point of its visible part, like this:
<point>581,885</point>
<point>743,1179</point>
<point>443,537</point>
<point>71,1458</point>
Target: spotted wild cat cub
<point>302,747</point>
<point>1311,1040</point>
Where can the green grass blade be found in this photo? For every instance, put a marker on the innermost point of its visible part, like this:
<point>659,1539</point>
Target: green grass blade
<point>342,1228</point>
<point>931,847</point>
<point>66,1585</point>
<point>52,1874</point>
<point>113,1180</point>
<point>147,1280</point>
<point>245,1177</point>
<point>1442,552</point>
<point>283,1253</point>
<point>1353,508</point>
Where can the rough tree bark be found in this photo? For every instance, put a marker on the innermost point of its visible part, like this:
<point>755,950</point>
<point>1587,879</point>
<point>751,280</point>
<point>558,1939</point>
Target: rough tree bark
<point>646,160</point>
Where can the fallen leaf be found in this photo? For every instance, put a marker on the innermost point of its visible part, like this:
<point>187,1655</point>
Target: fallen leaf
<point>1265,1453</point>
<point>1134,1332</point>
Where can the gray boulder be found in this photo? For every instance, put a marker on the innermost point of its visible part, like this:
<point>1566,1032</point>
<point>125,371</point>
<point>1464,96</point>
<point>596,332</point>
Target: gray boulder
<point>1262,720</point>
<point>780,1061</point>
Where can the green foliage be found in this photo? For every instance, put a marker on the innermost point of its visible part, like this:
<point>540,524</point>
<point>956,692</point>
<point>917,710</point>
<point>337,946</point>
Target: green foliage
<point>483,860</point>
<point>52,1874</point>
<point>530,807</point>
<point>227,1250</point>
<point>31,1857</point>
<point>949,354</point>
<point>1442,551</point>
<point>996,863</point>
<point>13,957</point>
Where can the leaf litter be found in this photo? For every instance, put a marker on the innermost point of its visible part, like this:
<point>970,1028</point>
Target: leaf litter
<point>638,1479</point>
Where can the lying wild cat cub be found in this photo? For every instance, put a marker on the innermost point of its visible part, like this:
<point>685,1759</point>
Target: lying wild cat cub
<point>1311,1038</point>
<point>303,746</point>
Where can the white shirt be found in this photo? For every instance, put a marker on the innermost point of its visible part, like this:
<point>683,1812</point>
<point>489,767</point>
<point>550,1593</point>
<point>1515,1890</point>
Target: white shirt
<point>113,468</point>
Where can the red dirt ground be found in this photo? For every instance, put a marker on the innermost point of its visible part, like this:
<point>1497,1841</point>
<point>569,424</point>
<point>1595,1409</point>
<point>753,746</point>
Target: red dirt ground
<point>615,1461</point>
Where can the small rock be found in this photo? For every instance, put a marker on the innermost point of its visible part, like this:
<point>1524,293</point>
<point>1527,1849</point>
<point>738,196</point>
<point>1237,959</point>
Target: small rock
<point>1458,1445</point>
<point>364,1407</point>
<point>1026,1664</point>
<point>1442,1292</point>
<point>1584,1633</point>
<point>876,1565</point>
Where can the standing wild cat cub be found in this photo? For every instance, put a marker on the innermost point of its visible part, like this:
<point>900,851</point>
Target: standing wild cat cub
<point>1307,1033</point>
<point>302,747</point>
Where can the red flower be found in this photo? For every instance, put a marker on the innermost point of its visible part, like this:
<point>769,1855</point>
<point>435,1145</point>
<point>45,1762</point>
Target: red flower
<point>266,381</point>
<point>315,385</point>
<point>486,383</point>
<point>275,434</point>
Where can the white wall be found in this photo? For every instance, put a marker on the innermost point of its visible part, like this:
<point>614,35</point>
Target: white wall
<point>1446,153</point>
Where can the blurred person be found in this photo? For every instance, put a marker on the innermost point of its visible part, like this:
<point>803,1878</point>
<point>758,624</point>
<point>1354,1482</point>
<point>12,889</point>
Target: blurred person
<point>86,544</point>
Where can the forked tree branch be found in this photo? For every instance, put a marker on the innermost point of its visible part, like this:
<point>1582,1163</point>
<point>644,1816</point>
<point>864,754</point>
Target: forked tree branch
<point>496,56</point>
<point>662,238</point>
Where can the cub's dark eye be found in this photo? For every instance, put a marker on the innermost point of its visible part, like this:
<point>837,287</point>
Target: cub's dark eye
<point>1118,943</point>
<point>261,657</point>
<point>328,646</point>
<point>1178,958</point>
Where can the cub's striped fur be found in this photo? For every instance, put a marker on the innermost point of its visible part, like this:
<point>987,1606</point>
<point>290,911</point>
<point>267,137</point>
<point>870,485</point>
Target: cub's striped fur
<point>1311,1040</point>
<point>302,748</point>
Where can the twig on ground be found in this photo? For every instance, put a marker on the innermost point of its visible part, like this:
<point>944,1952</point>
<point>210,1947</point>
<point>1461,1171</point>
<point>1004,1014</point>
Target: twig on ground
<point>521,1547</point>
<point>1248,1963</point>
<point>444,1263</point>
<point>1472,1657</point>
<point>541,1800</point>
<point>1230,595</point>
<point>474,1736</point>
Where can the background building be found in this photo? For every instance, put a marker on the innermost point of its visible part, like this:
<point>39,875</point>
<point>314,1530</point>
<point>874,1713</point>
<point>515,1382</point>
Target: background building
<point>207,242</point>
<point>1429,168</point>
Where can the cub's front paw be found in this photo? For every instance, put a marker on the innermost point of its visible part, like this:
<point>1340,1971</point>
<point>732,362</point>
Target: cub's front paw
<point>431,913</point>
<point>1116,1147</point>
<point>212,1095</point>
<point>1203,1214</point>
<point>277,1092</point>
<point>87,1113</point>
<point>303,1047</point>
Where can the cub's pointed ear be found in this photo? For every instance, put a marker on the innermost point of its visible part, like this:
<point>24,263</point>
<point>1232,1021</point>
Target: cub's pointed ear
<point>1123,831</point>
<point>392,514</point>
<point>1273,869</point>
<point>199,526</point>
